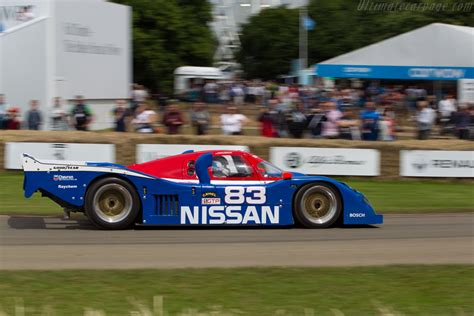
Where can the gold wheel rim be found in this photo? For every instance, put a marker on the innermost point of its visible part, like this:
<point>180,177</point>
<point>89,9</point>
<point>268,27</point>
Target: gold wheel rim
<point>112,203</point>
<point>319,204</point>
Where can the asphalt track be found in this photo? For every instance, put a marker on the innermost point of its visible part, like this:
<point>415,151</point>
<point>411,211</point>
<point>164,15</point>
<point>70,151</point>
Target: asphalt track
<point>28,242</point>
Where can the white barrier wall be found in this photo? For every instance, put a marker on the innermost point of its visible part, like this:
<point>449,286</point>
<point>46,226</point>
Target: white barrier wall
<point>57,151</point>
<point>437,163</point>
<point>147,152</point>
<point>327,161</point>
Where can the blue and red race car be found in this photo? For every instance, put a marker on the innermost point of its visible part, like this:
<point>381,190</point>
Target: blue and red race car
<point>197,188</point>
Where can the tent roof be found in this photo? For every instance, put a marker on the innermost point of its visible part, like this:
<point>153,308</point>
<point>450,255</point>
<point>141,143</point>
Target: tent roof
<point>434,45</point>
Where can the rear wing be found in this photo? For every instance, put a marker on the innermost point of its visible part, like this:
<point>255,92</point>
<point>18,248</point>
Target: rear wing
<point>67,180</point>
<point>30,163</point>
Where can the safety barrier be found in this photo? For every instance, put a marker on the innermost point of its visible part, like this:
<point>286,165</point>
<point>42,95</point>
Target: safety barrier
<point>431,158</point>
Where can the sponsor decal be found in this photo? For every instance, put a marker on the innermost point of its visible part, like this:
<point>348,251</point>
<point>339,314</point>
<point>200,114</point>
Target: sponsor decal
<point>65,167</point>
<point>210,201</point>
<point>453,163</point>
<point>293,160</point>
<point>357,69</point>
<point>59,177</point>
<point>243,205</point>
<point>443,73</point>
<point>232,214</point>
<point>357,215</point>
<point>67,186</point>
<point>334,160</point>
<point>209,195</point>
<point>421,163</point>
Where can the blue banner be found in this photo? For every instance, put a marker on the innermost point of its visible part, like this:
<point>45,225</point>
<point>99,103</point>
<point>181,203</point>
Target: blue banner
<point>394,72</point>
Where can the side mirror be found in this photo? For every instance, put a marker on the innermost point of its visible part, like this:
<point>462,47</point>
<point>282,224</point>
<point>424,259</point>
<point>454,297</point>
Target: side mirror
<point>287,175</point>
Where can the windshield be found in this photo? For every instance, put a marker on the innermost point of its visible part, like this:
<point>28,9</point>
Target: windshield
<point>268,170</point>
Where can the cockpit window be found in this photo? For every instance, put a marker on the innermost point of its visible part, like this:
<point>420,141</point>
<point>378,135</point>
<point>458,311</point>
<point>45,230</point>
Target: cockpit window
<point>268,170</point>
<point>230,166</point>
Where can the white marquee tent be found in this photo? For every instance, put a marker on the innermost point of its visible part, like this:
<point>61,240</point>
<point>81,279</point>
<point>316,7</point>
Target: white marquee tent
<point>433,52</point>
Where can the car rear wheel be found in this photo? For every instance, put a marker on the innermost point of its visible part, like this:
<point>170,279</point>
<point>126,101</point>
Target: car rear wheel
<point>317,205</point>
<point>112,203</point>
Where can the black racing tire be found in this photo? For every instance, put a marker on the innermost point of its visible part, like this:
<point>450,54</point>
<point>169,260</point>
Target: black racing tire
<point>112,203</point>
<point>317,205</point>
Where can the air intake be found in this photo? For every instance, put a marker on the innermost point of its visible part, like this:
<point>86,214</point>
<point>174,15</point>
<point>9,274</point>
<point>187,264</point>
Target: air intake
<point>166,204</point>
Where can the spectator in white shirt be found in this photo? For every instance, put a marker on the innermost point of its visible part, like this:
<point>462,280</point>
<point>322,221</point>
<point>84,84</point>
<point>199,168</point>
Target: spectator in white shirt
<point>232,122</point>
<point>58,116</point>
<point>425,118</point>
<point>446,108</point>
<point>145,119</point>
<point>139,95</point>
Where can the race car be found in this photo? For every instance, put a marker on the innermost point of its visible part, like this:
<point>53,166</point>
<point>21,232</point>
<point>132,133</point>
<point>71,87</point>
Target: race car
<point>218,187</point>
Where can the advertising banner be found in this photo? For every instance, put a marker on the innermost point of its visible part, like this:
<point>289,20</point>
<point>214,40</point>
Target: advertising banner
<point>437,163</point>
<point>327,161</point>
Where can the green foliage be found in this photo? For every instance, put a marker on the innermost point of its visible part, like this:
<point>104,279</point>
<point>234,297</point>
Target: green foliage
<point>270,39</point>
<point>168,34</point>
<point>269,42</point>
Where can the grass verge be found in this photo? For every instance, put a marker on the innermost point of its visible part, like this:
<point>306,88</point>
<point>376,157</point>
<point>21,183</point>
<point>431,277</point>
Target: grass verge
<point>385,196</point>
<point>408,290</point>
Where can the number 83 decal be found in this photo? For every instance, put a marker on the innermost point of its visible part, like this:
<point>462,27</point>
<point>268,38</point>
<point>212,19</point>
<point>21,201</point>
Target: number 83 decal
<point>237,195</point>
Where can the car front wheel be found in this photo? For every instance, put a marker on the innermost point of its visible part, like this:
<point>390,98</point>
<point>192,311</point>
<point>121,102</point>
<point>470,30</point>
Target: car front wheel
<point>317,205</point>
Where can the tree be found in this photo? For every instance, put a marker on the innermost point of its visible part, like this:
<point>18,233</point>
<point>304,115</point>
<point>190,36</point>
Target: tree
<point>168,34</point>
<point>269,41</point>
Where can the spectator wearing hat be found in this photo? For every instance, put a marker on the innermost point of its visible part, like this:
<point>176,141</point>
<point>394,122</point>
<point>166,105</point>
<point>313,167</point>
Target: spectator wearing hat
<point>13,118</point>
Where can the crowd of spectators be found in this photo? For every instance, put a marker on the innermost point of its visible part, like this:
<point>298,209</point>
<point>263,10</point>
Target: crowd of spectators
<point>371,113</point>
<point>277,110</point>
<point>78,117</point>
